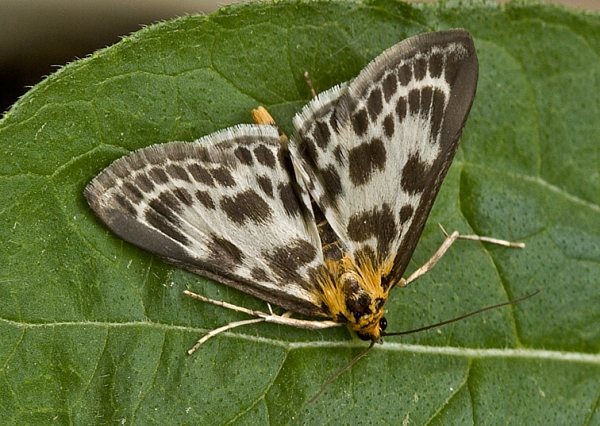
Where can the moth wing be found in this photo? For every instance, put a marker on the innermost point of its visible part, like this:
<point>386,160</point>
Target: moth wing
<point>373,152</point>
<point>225,207</point>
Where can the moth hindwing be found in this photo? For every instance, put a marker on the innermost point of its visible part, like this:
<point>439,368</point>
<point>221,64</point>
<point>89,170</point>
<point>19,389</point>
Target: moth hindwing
<point>325,225</point>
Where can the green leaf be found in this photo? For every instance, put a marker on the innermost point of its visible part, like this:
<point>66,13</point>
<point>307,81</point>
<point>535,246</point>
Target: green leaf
<point>94,331</point>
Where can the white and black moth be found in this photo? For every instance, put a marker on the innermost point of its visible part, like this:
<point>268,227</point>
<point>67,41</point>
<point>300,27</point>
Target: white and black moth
<point>326,224</point>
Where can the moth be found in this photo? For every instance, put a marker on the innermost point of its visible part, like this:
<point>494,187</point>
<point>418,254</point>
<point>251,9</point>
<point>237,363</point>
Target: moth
<point>323,224</point>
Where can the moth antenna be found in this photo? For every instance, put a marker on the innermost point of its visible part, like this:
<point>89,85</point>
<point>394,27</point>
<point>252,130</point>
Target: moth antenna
<point>310,85</point>
<point>341,370</point>
<point>470,314</point>
<point>366,351</point>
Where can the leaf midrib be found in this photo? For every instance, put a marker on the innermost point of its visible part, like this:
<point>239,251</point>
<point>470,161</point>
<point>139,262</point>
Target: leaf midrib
<point>522,353</point>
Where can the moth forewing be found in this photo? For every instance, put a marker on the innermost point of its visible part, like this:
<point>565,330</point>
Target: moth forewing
<point>373,154</point>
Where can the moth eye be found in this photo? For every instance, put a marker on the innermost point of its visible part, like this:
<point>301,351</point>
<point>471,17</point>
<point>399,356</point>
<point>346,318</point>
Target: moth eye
<point>382,323</point>
<point>363,336</point>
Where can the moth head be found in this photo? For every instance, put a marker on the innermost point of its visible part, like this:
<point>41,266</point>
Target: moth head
<point>375,333</point>
<point>363,302</point>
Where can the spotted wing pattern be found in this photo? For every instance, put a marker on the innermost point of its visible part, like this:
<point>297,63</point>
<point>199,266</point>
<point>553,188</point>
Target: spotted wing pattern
<point>373,152</point>
<point>225,207</point>
<point>235,207</point>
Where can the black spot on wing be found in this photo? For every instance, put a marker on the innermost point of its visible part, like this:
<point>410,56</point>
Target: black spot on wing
<point>132,192</point>
<point>420,68</point>
<point>244,206</point>
<point>321,134</point>
<point>244,155</point>
<point>265,156</point>
<point>360,122</point>
<point>184,196</point>
<point>222,250</point>
<point>338,155</point>
<point>406,213</point>
<point>259,274</point>
<point>205,199</point>
<point>177,172</point>
<point>308,149</point>
<point>285,163</point>
<point>436,65</point>
<point>415,175</point>
<point>158,175</point>
<point>375,103</point>
<point>414,101</point>
<point>201,175</point>
<point>390,86</point>
<point>161,214</point>
<point>333,122</point>
<point>364,159</point>
<point>401,108</point>
<point>285,261</point>
<point>288,199</point>
<point>125,204</point>
<point>143,182</point>
<point>378,222</point>
<point>426,98</point>
<point>265,184</point>
<point>331,181</point>
<point>301,252</point>
<point>405,74</point>
<point>166,204</point>
<point>388,126</point>
<point>223,176</point>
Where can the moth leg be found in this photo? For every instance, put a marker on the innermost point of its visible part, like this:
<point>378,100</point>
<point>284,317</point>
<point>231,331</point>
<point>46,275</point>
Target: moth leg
<point>491,240</point>
<point>284,319</point>
<point>216,331</point>
<point>310,85</point>
<point>286,314</point>
<point>450,239</point>
<point>227,305</point>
